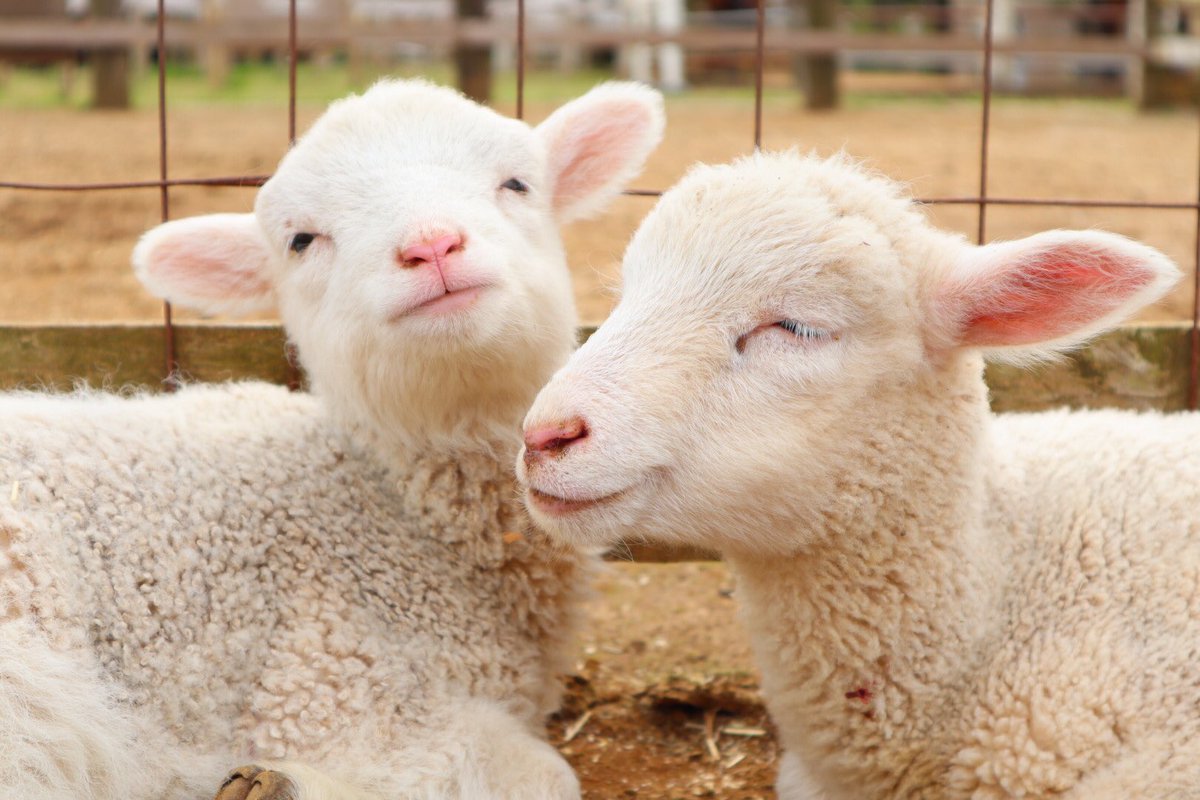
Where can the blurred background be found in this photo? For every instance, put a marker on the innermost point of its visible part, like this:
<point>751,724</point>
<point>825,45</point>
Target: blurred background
<point>1095,100</point>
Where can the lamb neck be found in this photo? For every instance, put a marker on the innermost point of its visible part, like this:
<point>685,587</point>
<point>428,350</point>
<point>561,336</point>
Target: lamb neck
<point>870,632</point>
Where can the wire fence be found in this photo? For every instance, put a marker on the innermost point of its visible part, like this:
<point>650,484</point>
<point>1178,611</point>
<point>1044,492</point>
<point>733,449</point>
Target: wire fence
<point>982,200</point>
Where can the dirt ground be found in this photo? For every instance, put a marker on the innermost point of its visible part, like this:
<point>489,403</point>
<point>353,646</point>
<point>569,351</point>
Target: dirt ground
<point>64,257</point>
<point>662,703</point>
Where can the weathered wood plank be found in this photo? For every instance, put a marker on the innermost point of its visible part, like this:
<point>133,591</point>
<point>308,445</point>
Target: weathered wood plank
<point>659,554</point>
<point>59,357</point>
<point>1139,367</point>
<point>36,34</point>
<point>1136,367</point>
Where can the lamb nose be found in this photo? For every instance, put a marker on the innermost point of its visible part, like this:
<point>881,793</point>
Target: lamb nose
<point>433,249</point>
<point>555,437</point>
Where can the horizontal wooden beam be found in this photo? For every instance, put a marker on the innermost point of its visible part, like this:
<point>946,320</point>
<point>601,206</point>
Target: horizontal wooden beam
<point>37,34</point>
<point>60,357</point>
<point>1135,367</point>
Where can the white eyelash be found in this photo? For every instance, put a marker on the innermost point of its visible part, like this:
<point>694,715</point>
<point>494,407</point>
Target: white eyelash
<point>802,331</point>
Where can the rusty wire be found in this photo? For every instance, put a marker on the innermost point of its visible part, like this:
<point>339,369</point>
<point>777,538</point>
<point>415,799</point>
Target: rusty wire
<point>1194,364</point>
<point>237,180</point>
<point>170,362</point>
<point>292,50</point>
<point>520,59</point>
<point>254,181</point>
<point>981,200</point>
<point>760,59</point>
<point>986,127</point>
<point>294,379</point>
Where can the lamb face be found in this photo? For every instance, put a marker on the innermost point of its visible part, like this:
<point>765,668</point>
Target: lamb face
<point>755,314</point>
<point>410,241</point>
<point>439,236</point>
<point>775,318</point>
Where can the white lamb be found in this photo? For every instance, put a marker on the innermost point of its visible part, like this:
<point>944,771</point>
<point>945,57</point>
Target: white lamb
<point>336,587</point>
<point>943,603</point>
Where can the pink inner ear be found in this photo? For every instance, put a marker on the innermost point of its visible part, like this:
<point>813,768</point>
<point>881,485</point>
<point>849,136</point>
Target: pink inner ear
<point>211,273</point>
<point>1052,294</point>
<point>594,154</point>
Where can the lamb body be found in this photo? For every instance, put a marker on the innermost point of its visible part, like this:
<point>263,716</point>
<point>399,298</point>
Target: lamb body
<point>267,590</point>
<point>341,587</point>
<point>943,603</point>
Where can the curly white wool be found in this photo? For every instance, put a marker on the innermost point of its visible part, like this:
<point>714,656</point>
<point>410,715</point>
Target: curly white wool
<point>944,603</point>
<point>342,586</point>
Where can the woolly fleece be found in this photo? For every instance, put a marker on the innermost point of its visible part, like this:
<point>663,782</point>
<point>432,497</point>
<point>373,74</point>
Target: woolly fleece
<point>944,603</point>
<point>238,581</point>
<point>341,588</point>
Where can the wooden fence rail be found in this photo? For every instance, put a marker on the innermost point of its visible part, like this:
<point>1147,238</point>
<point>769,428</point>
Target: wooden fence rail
<point>16,35</point>
<point>1137,366</point>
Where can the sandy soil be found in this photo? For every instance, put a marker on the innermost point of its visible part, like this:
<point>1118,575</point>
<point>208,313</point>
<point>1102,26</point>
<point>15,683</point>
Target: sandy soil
<point>65,256</point>
<point>661,704</point>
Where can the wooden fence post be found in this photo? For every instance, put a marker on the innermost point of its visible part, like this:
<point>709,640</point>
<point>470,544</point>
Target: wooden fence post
<point>817,73</point>
<point>473,62</point>
<point>1162,85</point>
<point>215,54</point>
<point>110,66</point>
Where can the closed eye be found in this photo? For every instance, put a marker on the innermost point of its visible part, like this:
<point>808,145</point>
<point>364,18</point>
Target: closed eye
<point>515,185</point>
<point>801,331</point>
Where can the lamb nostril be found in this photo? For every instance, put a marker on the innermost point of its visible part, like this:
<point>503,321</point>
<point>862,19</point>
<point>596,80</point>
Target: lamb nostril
<point>431,250</point>
<point>556,437</point>
<point>415,256</point>
<point>445,245</point>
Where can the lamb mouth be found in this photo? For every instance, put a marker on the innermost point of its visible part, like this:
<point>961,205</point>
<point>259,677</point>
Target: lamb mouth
<point>449,302</point>
<point>562,506</point>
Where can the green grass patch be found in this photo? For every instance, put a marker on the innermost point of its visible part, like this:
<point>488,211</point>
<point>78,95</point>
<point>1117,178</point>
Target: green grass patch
<point>265,84</point>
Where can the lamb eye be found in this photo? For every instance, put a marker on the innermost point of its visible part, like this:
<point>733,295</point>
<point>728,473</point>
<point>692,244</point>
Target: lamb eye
<point>300,242</point>
<point>805,333</point>
<point>802,331</point>
<point>515,185</point>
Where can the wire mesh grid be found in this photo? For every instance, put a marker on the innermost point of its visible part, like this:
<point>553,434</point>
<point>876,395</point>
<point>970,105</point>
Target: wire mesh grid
<point>982,200</point>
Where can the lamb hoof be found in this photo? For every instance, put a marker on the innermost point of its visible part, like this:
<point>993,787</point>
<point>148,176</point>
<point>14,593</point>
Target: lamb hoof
<point>255,783</point>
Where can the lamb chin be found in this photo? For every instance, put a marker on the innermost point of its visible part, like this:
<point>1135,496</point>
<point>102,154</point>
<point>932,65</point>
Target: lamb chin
<point>577,533</point>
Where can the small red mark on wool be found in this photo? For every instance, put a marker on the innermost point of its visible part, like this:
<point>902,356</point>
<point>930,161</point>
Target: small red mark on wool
<point>862,693</point>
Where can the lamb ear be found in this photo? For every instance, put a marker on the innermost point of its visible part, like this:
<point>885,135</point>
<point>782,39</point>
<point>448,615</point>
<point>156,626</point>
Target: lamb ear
<point>597,143</point>
<point>1049,291</point>
<point>217,263</point>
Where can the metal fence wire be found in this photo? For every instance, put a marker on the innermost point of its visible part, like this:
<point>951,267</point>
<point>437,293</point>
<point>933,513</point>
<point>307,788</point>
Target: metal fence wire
<point>982,201</point>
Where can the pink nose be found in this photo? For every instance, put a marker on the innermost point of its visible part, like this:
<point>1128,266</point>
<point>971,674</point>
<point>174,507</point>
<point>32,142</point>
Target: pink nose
<point>554,438</point>
<point>433,250</point>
